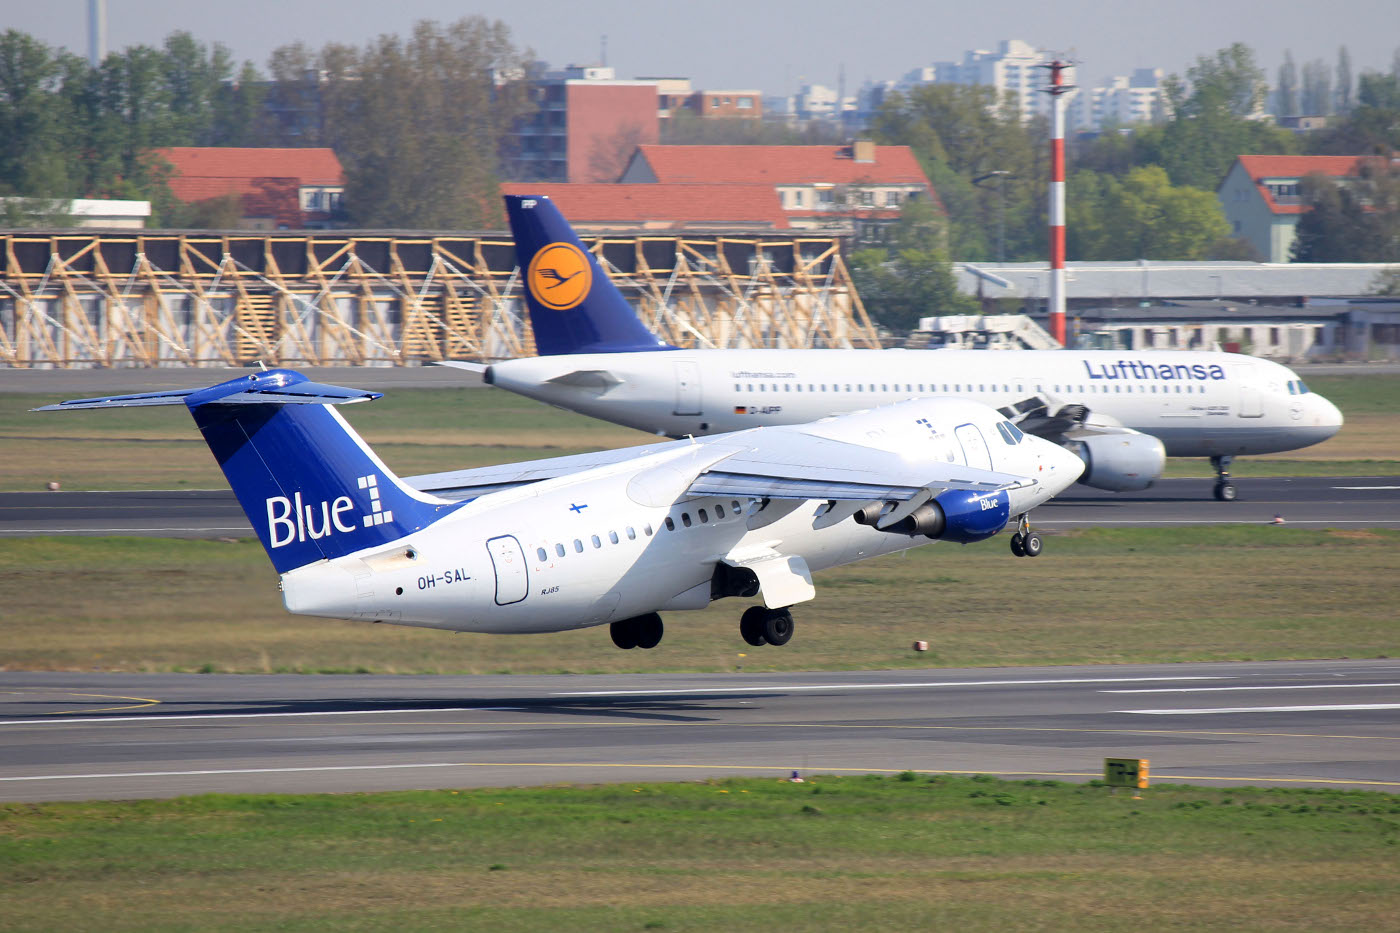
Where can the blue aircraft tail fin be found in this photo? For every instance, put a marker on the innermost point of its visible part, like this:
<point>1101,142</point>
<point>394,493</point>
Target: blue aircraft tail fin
<point>311,487</point>
<point>574,306</point>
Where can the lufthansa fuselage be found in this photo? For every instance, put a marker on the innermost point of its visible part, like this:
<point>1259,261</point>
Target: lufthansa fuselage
<point>1199,404</point>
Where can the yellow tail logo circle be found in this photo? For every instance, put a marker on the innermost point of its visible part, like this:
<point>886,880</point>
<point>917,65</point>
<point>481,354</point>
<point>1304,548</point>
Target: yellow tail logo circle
<point>559,276</point>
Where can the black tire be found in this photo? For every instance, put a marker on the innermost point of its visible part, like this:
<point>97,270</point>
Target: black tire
<point>649,630</point>
<point>1033,545</point>
<point>1018,546</point>
<point>624,634</point>
<point>751,626</point>
<point>1225,492</point>
<point>777,628</point>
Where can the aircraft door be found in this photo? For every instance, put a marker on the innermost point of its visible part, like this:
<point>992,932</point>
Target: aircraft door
<point>1251,402</point>
<point>974,446</point>
<point>687,388</point>
<point>512,576</point>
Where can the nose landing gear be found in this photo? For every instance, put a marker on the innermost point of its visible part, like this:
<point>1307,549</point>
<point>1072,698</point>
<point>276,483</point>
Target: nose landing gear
<point>1026,543</point>
<point>1224,489</point>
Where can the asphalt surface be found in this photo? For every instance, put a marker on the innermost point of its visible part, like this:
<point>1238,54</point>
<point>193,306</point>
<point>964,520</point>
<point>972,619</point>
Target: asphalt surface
<point>86,736</point>
<point>1347,501</point>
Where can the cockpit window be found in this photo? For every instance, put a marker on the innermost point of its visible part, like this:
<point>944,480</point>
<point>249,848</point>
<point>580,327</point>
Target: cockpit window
<point>1005,434</point>
<point>1016,433</point>
<point>1302,388</point>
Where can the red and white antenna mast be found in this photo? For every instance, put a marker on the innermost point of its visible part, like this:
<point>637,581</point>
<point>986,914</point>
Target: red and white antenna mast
<point>1057,90</point>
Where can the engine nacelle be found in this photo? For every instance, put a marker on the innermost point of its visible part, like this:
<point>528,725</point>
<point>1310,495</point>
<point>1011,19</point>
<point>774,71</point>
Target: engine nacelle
<point>963,516</point>
<point>1121,462</point>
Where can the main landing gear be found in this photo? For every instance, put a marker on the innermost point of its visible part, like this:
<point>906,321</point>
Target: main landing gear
<point>637,632</point>
<point>1026,543</point>
<point>763,626</point>
<point>1224,489</point>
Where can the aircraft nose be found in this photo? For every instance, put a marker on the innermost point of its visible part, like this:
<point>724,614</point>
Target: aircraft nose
<point>1059,468</point>
<point>1325,414</point>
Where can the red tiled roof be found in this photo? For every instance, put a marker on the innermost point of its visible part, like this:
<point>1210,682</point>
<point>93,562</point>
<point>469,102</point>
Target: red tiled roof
<point>778,165</point>
<point>267,180</point>
<point>1262,167</point>
<point>651,205</point>
<point>311,166</point>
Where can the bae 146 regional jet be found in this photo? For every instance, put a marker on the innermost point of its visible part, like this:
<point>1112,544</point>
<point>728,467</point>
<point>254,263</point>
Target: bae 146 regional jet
<point>606,538</point>
<point>1122,413</point>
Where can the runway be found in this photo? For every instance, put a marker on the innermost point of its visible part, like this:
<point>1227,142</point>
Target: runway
<point>1318,502</point>
<point>88,736</point>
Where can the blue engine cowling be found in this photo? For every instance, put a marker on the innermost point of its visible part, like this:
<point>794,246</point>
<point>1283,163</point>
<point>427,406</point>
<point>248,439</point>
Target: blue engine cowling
<point>962,515</point>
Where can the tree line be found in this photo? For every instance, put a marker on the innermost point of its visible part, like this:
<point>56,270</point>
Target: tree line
<point>421,125</point>
<point>418,122</point>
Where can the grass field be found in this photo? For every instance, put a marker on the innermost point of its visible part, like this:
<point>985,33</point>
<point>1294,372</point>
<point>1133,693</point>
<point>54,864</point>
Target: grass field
<point>1099,596</point>
<point>427,430</point>
<point>839,853</point>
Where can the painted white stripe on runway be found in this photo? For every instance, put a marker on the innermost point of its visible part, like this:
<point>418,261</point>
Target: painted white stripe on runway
<point>901,686</point>
<point>1259,709</point>
<point>157,717</point>
<point>1366,487</point>
<point>145,774</point>
<point>1223,689</point>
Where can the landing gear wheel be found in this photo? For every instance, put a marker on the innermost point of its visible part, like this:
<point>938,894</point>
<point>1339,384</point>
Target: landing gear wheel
<point>1224,489</point>
<point>751,625</point>
<point>649,630</point>
<point>1018,545</point>
<point>1032,545</point>
<point>624,634</point>
<point>777,627</point>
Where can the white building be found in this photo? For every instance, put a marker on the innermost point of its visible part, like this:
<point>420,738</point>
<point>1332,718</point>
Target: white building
<point>1018,67</point>
<point>1014,67</point>
<point>1121,100</point>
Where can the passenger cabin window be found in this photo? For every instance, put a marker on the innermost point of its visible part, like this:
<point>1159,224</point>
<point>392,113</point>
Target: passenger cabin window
<point>670,523</point>
<point>541,555</point>
<point>719,513</point>
<point>685,519</point>
<point>704,516</point>
<point>597,542</point>
<point>647,530</point>
<point>631,533</point>
<point>612,536</point>
<point>559,549</point>
<point>578,546</point>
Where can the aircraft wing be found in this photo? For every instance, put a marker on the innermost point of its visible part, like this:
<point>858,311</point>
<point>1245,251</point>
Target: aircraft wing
<point>784,465</point>
<point>462,364</point>
<point>804,466</point>
<point>468,484</point>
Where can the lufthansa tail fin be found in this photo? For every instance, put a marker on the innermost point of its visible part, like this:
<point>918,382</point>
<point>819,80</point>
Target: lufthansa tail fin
<point>574,306</point>
<point>311,487</point>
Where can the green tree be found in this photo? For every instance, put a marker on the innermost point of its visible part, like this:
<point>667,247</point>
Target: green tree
<point>1142,216</point>
<point>1212,120</point>
<point>959,132</point>
<point>1373,125</point>
<point>418,122</point>
<point>1351,221</point>
<point>35,144</point>
<point>913,277</point>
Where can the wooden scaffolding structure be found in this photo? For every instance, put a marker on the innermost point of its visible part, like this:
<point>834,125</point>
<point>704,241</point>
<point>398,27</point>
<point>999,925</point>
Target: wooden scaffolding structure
<point>142,299</point>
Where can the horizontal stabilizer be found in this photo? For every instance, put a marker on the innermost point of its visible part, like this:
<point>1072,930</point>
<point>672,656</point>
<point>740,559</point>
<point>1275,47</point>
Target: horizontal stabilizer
<point>275,387</point>
<point>463,364</point>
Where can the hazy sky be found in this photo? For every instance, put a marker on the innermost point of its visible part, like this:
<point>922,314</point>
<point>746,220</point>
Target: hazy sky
<point>772,45</point>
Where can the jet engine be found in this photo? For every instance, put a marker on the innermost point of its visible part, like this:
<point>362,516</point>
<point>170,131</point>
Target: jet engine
<point>1120,462</point>
<point>964,516</point>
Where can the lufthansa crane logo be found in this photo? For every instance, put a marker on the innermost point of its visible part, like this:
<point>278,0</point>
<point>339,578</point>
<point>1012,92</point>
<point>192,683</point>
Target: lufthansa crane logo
<point>560,276</point>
